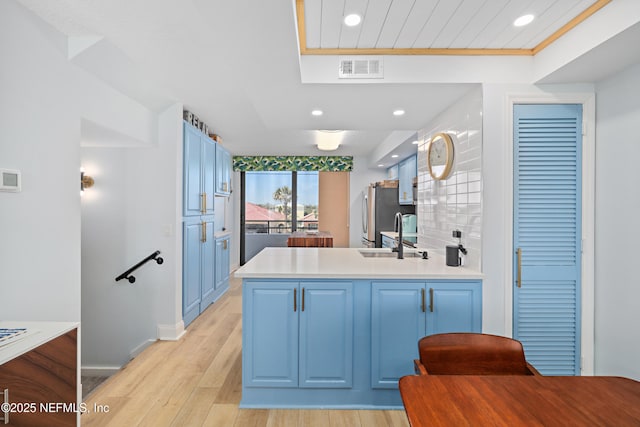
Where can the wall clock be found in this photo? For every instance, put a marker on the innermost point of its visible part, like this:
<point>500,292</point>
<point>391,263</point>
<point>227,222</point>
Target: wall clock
<point>440,156</point>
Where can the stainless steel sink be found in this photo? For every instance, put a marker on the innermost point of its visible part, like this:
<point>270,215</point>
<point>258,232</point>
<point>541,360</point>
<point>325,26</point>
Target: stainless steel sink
<point>388,254</point>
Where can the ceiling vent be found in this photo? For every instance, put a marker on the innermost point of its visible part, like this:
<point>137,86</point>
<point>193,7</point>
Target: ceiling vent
<point>361,68</point>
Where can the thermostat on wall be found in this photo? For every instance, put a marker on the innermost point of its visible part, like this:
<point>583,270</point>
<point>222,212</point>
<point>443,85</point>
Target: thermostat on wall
<point>10,180</point>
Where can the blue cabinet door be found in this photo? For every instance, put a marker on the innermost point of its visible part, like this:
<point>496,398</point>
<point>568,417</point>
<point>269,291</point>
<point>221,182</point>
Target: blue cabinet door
<point>407,170</point>
<point>192,196</point>
<point>223,171</point>
<point>208,266</point>
<point>226,259</point>
<point>326,334</point>
<point>199,172</point>
<point>191,260</point>
<point>397,323</point>
<point>270,334</point>
<point>208,173</point>
<point>454,307</point>
<point>222,262</point>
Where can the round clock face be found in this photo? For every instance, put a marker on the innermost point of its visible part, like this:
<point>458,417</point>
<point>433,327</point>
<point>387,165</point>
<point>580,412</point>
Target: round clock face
<point>440,156</point>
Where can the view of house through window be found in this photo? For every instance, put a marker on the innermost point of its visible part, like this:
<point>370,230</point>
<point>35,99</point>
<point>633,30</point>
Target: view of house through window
<point>276,204</point>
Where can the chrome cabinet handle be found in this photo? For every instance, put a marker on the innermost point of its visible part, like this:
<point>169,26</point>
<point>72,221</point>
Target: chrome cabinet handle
<point>431,300</point>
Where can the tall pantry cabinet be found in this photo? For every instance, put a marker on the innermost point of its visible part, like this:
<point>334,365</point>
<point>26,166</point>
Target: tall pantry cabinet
<point>201,284</point>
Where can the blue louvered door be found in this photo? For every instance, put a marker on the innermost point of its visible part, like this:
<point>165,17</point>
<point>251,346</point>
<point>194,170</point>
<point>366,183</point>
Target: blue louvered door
<point>547,235</point>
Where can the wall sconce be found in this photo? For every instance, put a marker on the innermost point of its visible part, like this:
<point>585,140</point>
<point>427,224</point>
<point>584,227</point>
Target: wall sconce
<point>85,181</point>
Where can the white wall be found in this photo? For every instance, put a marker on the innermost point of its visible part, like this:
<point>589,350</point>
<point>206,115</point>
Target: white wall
<point>456,202</point>
<point>48,108</point>
<point>617,292</point>
<point>39,135</point>
<point>132,211</point>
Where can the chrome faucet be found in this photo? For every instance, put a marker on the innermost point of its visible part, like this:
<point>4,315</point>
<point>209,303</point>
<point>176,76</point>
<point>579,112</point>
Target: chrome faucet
<point>398,226</point>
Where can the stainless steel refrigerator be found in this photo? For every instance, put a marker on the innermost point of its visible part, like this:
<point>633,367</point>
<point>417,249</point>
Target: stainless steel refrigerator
<point>379,207</point>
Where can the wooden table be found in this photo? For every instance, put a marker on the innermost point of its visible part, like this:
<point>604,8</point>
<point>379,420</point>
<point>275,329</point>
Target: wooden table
<point>303,239</point>
<point>513,400</point>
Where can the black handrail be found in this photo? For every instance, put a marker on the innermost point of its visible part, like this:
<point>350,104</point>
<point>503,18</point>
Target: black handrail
<point>131,279</point>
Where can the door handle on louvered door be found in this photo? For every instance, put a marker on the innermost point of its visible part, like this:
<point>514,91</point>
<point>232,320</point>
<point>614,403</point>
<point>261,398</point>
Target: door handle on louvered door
<point>519,272</point>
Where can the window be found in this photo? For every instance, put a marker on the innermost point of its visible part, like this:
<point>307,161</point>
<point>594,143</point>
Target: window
<point>274,205</point>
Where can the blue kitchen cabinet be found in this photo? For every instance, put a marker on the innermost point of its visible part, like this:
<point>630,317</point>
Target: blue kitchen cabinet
<point>223,171</point>
<point>198,263</point>
<point>404,311</point>
<point>299,334</point>
<point>270,334</point>
<point>326,334</point>
<point>392,172</point>
<point>223,248</point>
<point>454,307</point>
<point>397,323</point>
<point>388,242</point>
<point>407,171</point>
<point>199,172</point>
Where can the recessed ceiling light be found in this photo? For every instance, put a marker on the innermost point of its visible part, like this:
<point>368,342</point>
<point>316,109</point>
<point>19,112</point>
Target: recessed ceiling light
<point>394,156</point>
<point>316,113</point>
<point>523,20</point>
<point>416,142</point>
<point>352,20</point>
<point>380,165</point>
<point>398,113</point>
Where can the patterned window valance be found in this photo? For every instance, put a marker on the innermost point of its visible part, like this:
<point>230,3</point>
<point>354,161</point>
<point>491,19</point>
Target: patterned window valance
<point>293,163</point>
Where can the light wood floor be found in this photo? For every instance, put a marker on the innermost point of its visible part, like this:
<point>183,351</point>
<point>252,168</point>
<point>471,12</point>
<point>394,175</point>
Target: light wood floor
<point>197,381</point>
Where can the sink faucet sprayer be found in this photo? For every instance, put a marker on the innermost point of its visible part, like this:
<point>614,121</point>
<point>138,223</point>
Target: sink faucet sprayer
<point>398,226</point>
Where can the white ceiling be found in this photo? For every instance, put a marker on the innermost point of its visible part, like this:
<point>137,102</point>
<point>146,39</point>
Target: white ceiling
<point>415,24</point>
<point>236,64</point>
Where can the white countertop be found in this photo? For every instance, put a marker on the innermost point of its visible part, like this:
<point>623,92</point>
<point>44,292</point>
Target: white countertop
<point>285,263</point>
<point>37,334</point>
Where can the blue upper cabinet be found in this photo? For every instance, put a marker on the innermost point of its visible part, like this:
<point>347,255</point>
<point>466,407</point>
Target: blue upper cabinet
<point>407,171</point>
<point>199,172</point>
<point>223,171</point>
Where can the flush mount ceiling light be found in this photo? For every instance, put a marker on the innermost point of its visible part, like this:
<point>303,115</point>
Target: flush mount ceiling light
<point>352,20</point>
<point>329,140</point>
<point>523,20</point>
<point>380,165</point>
<point>394,156</point>
<point>316,113</point>
<point>398,113</point>
<point>416,142</point>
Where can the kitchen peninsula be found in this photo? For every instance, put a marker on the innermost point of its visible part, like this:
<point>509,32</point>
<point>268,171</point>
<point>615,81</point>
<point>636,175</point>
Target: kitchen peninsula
<point>337,327</point>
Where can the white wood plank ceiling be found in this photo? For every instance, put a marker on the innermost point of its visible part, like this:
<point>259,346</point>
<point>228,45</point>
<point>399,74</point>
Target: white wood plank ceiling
<point>412,25</point>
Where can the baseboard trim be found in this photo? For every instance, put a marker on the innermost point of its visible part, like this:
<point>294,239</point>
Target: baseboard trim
<point>139,349</point>
<point>171,332</point>
<point>99,371</point>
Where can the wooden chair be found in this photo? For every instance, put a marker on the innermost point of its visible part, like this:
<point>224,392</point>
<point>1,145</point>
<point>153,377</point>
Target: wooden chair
<point>471,354</point>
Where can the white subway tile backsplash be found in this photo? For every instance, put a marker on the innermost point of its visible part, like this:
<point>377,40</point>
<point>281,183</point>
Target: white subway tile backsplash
<point>455,203</point>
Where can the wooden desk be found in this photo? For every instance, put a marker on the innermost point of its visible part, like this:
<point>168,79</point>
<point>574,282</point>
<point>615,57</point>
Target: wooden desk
<point>302,239</point>
<point>514,400</point>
